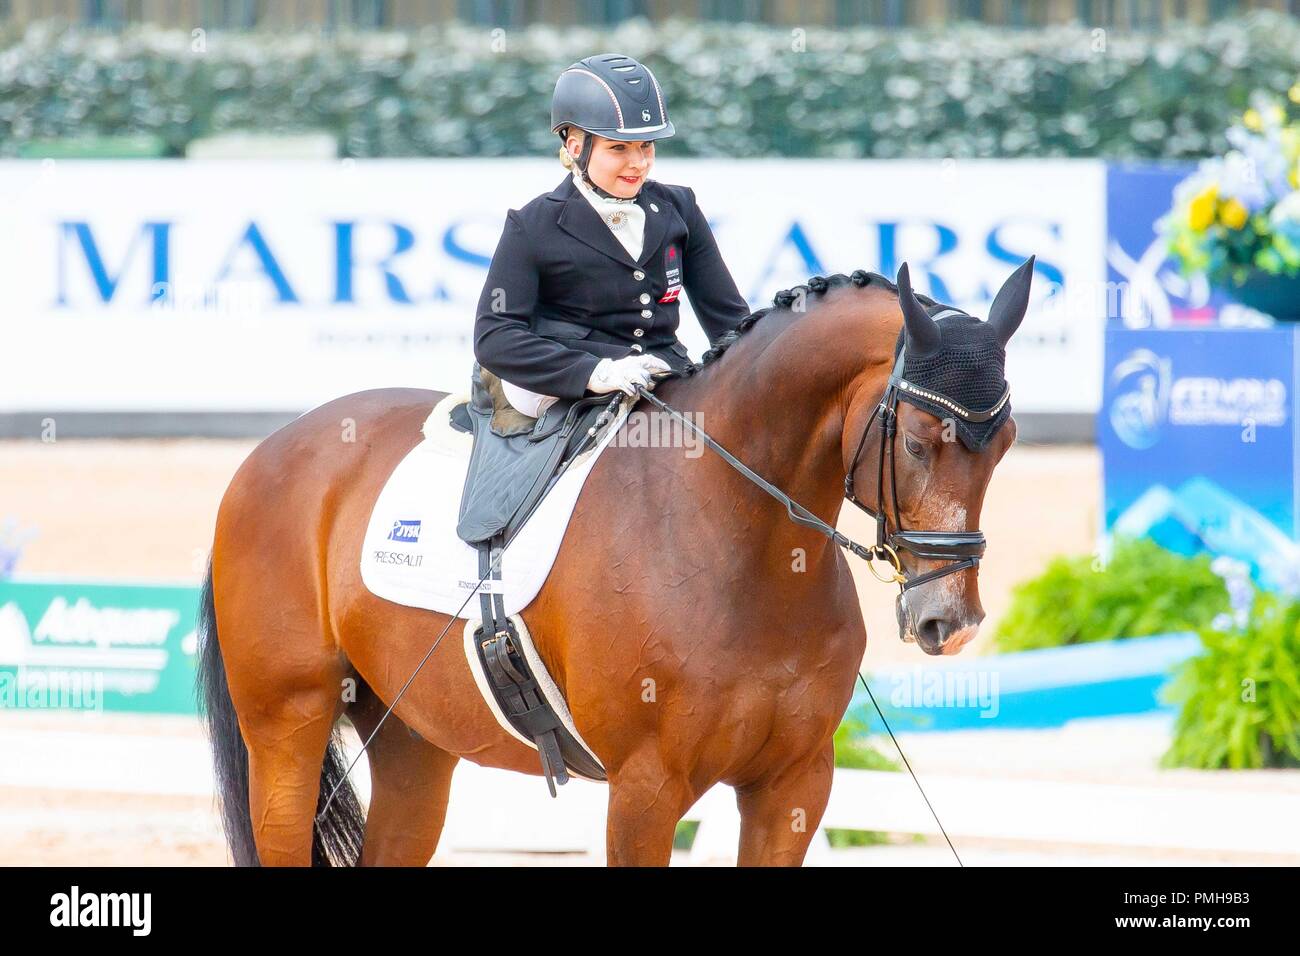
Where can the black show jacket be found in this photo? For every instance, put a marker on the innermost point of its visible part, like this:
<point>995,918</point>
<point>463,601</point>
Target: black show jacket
<point>562,292</point>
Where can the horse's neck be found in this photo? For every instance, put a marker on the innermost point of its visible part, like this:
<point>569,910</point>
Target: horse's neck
<point>780,403</point>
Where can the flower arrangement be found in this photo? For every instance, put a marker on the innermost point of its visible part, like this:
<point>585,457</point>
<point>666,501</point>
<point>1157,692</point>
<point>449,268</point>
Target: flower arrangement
<point>1237,218</point>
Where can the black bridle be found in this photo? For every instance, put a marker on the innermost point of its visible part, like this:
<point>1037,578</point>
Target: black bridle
<point>962,549</point>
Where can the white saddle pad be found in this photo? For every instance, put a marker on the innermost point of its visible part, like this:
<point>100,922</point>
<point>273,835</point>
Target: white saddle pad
<point>411,554</point>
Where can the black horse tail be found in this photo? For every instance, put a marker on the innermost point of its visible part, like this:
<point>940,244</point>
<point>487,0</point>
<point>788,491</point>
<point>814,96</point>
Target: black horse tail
<point>336,839</point>
<point>229,755</point>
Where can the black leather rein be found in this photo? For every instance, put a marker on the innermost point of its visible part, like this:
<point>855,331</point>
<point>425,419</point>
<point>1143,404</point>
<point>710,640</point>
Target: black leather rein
<point>962,549</point>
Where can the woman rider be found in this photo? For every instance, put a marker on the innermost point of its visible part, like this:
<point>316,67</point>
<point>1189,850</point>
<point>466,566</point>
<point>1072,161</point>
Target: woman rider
<point>582,291</point>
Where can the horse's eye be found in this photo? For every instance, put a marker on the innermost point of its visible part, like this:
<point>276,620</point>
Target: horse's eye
<point>914,447</point>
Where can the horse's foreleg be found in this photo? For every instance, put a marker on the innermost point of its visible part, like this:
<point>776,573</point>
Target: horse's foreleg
<point>780,816</point>
<point>646,801</point>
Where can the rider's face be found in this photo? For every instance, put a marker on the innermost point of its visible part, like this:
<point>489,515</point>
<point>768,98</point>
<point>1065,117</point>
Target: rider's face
<point>617,167</point>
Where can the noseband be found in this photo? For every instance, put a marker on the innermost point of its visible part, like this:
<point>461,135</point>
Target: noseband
<point>962,549</point>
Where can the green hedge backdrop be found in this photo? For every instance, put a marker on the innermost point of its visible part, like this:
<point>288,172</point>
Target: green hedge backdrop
<point>735,90</point>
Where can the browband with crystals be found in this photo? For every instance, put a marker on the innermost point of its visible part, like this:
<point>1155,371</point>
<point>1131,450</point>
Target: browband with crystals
<point>955,408</point>
<point>961,411</point>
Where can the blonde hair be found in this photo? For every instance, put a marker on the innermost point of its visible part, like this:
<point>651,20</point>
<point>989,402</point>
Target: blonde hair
<point>566,160</point>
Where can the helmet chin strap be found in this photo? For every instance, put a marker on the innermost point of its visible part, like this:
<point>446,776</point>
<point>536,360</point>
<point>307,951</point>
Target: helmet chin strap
<point>583,157</point>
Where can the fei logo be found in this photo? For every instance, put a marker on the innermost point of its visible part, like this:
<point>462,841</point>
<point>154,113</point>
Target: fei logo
<point>1141,398</point>
<point>407,532</point>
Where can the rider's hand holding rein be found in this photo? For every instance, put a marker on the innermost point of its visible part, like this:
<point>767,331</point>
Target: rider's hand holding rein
<point>626,374</point>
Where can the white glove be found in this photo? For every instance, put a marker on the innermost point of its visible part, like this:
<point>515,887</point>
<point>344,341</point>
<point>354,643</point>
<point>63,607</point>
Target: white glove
<point>626,374</point>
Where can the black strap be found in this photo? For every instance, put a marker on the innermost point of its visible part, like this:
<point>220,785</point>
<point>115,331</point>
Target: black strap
<point>797,512</point>
<point>519,693</point>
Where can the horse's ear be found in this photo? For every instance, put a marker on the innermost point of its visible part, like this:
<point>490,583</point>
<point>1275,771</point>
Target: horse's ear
<point>1009,305</point>
<point>922,333</point>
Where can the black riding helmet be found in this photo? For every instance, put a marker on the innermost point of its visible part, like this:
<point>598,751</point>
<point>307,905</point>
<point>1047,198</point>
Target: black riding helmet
<point>613,96</point>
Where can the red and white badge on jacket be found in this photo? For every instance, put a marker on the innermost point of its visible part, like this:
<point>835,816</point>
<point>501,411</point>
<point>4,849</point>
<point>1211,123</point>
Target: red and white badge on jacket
<point>673,271</point>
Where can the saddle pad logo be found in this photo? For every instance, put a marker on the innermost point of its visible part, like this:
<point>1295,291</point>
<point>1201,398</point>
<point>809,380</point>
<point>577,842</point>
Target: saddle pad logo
<point>673,273</point>
<point>407,532</point>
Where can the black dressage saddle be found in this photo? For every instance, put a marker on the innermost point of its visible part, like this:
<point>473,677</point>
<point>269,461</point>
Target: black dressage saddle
<point>516,457</point>
<point>514,462</point>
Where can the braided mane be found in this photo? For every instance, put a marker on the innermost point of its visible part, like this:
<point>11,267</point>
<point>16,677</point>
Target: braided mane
<point>783,300</point>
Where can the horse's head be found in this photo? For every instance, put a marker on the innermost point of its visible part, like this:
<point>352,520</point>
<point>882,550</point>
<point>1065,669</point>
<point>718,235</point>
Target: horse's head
<point>951,420</point>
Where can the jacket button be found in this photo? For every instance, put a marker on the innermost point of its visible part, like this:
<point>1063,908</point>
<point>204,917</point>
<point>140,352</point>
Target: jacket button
<point>638,347</point>
<point>638,332</point>
<point>638,275</point>
<point>647,314</point>
<point>644,298</point>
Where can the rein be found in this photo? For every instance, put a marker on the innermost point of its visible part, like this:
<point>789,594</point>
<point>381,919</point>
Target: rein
<point>962,549</point>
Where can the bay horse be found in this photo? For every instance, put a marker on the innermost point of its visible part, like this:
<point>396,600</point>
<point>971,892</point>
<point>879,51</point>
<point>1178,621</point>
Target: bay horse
<point>698,636</point>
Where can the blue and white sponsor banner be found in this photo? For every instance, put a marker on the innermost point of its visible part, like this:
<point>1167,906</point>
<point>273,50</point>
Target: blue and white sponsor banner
<point>1198,440</point>
<point>228,285</point>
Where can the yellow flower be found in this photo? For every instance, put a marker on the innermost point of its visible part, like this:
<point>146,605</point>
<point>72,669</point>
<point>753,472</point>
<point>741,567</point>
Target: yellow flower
<point>1200,211</point>
<point>1251,119</point>
<point>1276,115</point>
<point>1233,214</point>
<point>1293,94</point>
<point>1290,139</point>
<point>1294,176</point>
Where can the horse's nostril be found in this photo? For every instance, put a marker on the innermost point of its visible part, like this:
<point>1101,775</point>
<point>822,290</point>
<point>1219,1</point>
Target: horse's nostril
<point>934,631</point>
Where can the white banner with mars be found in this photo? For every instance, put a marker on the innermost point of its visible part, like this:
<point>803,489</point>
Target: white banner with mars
<point>275,286</point>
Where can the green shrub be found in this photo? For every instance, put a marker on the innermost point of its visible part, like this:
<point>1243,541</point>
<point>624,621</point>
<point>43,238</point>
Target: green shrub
<point>684,835</point>
<point>735,90</point>
<point>841,839</point>
<point>1241,697</point>
<point>1143,590</point>
<point>853,749</point>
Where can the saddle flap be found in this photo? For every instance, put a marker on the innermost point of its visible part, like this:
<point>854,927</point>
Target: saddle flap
<point>509,473</point>
<point>459,418</point>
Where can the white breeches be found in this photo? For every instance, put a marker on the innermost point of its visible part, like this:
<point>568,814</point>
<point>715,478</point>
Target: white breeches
<point>530,403</point>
